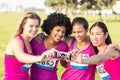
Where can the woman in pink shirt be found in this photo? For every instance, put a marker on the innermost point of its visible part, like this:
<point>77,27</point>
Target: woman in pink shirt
<point>18,51</point>
<point>56,26</point>
<point>108,55</point>
<point>80,41</point>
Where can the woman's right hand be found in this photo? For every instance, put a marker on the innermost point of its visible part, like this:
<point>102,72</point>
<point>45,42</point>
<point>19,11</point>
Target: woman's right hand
<point>76,56</point>
<point>49,54</point>
<point>115,46</point>
<point>39,37</point>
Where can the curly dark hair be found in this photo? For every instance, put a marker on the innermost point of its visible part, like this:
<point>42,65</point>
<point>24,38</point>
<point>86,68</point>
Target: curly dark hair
<point>56,19</point>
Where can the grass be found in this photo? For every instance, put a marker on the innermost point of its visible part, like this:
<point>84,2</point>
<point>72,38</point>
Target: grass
<point>9,21</point>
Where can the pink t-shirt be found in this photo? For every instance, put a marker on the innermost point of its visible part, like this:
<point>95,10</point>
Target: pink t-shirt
<point>84,72</point>
<point>110,69</point>
<point>13,68</point>
<point>48,69</point>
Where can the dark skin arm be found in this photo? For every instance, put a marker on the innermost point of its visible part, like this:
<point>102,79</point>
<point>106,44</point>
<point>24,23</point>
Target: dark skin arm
<point>39,37</point>
<point>63,63</point>
<point>68,41</point>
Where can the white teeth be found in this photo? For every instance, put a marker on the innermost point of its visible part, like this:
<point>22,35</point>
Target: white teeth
<point>59,38</point>
<point>33,33</point>
<point>95,42</point>
<point>78,38</point>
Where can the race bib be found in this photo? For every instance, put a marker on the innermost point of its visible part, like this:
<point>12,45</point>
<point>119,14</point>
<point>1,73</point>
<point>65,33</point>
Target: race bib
<point>102,72</point>
<point>48,64</point>
<point>80,66</point>
<point>26,66</point>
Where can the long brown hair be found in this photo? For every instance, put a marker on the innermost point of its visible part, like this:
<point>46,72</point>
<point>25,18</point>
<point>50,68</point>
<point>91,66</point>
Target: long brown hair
<point>19,29</point>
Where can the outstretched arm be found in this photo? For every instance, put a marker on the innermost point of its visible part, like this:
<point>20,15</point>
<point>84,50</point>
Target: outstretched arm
<point>115,46</point>
<point>19,53</point>
<point>111,53</point>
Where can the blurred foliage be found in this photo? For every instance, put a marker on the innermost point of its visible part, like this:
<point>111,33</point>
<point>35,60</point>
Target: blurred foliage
<point>85,4</point>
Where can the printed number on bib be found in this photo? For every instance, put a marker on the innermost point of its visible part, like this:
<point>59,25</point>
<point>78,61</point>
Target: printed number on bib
<point>48,64</point>
<point>26,66</point>
<point>102,72</point>
<point>80,66</point>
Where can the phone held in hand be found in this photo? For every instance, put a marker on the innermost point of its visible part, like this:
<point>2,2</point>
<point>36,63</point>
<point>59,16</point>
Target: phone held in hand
<point>63,55</point>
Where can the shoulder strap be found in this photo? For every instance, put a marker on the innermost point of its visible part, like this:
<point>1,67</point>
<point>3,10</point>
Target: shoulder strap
<point>21,38</point>
<point>72,44</point>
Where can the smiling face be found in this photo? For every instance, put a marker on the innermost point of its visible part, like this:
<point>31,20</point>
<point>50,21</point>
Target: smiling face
<point>57,33</point>
<point>79,32</point>
<point>97,36</point>
<point>31,27</point>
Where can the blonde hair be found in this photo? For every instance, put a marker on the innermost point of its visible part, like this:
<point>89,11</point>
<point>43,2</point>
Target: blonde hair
<point>19,29</point>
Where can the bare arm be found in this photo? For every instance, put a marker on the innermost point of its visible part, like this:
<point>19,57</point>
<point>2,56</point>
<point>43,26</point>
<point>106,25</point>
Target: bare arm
<point>68,41</point>
<point>63,63</point>
<point>39,37</point>
<point>110,53</point>
<point>23,57</point>
<point>116,46</point>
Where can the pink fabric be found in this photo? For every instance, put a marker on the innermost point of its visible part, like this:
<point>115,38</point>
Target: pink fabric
<point>38,73</point>
<point>113,68</point>
<point>77,74</point>
<point>13,68</point>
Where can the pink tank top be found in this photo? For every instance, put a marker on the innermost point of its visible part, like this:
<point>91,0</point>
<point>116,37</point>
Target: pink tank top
<point>86,72</point>
<point>110,69</point>
<point>48,69</point>
<point>13,68</point>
